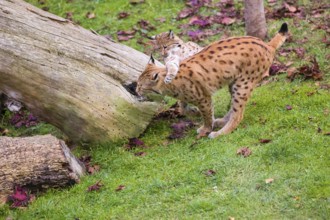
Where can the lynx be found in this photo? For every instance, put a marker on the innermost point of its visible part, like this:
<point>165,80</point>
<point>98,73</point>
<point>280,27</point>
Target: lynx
<point>174,50</point>
<point>239,62</point>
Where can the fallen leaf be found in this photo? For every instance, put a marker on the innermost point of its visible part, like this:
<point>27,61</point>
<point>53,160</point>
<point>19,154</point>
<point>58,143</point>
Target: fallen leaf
<point>23,118</point>
<point>200,21</point>
<point>120,187</point>
<point>228,21</point>
<point>178,129</point>
<point>161,19</point>
<point>311,71</point>
<point>144,24</point>
<point>231,218</point>
<point>326,41</point>
<point>172,112</point>
<point>186,12</point>
<point>245,151</point>
<point>124,38</point>
<point>90,15</point>
<point>297,198</point>
<point>20,198</point>
<point>311,93</point>
<point>277,68</point>
<point>288,107</point>
<point>125,33</point>
<point>290,8</point>
<point>135,2</point>
<point>95,187</point>
<point>135,143</point>
<point>269,180</point>
<point>93,169</point>
<point>86,160</point>
<point>3,131</point>
<point>210,172</point>
<point>196,35</point>
<point>291,73</point>
<point>122,15</point>
<point>265,141</point>
<point>45,8</point>
<point>300,52</point>
<point>140,154</point>
<point>69,16</point>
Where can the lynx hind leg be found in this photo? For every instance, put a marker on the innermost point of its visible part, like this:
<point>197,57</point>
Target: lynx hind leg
<point>221,122</point>
<point>240,96</point>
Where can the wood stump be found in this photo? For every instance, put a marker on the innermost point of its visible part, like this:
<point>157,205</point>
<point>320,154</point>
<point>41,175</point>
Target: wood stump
<point>37,162</point>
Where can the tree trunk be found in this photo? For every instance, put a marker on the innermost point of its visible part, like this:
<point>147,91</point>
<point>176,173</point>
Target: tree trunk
<point>255,20</point>
<point>37,162</point>
<point>70,77</point>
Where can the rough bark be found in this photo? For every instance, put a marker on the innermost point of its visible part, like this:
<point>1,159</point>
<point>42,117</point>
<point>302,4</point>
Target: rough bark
<point>255,20</point>
<point>69,76</point>
<point>36,162</point>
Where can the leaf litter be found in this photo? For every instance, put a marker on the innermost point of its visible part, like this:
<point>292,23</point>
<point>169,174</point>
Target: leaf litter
<point>179,129</point>
<point>20,198</point>
<point>95,187</point>
<point>244,151</point>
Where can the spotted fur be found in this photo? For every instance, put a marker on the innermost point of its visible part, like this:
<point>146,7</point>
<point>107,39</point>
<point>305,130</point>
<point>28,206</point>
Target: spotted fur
<point>174,50</point>
<point>238,62</point>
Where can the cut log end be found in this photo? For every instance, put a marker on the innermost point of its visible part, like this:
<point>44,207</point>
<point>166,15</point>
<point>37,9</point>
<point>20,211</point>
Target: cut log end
<point>37,163</point>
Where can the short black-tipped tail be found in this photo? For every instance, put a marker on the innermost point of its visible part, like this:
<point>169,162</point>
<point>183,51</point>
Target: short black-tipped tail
<point>280,37</point>
<point>284,29</point>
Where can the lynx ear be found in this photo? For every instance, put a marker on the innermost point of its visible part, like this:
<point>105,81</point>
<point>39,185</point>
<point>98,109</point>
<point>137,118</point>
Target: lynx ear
<point>171,34</point>
<point>152,60</point>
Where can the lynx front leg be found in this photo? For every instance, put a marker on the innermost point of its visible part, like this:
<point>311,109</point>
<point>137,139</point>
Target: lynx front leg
<point>185,109</point>
<point>239,99</point>
<point>206,109</point>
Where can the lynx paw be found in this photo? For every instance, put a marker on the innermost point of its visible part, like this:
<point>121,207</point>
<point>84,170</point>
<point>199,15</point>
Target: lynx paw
<point>168,79</point>
<point>213,134</point>
<point>203,131</point>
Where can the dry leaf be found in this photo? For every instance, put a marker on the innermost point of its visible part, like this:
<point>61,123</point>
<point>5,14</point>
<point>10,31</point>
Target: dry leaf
<point>270,180</point>
<point>245,151</point>
<point>120,187</point>
<point>95,187</point>
<point>90,15</point>
<point>210,172</point>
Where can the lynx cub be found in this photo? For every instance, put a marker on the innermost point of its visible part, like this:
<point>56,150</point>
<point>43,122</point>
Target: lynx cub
<point>239,62</point>
<point>174,50</point>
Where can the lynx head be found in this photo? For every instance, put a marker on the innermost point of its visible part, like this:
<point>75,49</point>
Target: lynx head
<point>165,42</point>
<point>151,79</point>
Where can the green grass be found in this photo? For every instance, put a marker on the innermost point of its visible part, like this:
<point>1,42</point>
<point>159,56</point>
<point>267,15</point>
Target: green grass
<point>169,182</point>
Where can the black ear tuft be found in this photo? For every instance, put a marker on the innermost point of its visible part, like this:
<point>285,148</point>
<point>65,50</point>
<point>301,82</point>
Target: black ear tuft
<point>155,77</point>
<point>152,60</point>
<point>284,29</point>
<point>170,34</point>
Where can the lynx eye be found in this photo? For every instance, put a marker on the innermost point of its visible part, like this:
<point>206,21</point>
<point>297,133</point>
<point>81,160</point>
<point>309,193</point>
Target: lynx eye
<point>165,47</point>
<point>155,76</point>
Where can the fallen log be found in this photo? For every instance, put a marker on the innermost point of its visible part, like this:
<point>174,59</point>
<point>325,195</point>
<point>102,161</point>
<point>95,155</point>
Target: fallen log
<point>37,162</point>
<point>70,77</point>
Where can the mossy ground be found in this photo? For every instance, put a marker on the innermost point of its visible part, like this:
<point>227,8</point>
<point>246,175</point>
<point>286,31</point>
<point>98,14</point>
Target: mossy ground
<point>169,182</point>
